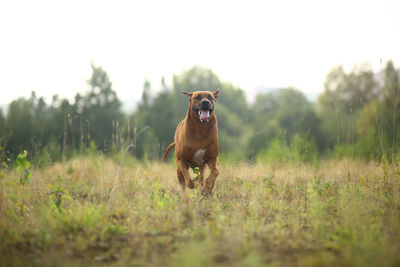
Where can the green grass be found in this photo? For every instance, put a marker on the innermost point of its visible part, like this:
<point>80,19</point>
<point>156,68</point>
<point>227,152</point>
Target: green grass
<point>93,211</point>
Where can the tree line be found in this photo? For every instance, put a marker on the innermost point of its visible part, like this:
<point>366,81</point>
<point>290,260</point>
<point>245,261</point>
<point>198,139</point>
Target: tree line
<point>355,116</point>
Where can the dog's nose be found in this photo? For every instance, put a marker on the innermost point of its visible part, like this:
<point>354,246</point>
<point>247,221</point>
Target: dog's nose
<point>205,103</point>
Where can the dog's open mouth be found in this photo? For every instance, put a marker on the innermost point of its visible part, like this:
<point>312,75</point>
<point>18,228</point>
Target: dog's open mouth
<point>204,115</point>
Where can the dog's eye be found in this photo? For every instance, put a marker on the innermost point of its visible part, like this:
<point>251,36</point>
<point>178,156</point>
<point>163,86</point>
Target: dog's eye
<point>198,97</point>
<point>210,98</point>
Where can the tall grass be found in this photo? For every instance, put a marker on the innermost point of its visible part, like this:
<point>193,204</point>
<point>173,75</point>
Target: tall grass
<point>95,210</point>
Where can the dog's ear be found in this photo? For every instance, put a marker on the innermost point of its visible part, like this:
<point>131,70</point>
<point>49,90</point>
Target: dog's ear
<point>216,93</point>
<point>186,93</point>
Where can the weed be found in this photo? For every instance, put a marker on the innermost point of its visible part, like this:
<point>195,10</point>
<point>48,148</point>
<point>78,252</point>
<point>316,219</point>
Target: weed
<point>4,159</point>
<point>161,197</point>
<point>24,168</point>
<point>57,197</point>
<point>196,171</point>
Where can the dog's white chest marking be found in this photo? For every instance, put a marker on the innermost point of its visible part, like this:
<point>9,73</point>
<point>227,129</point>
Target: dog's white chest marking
<point>198,157</point>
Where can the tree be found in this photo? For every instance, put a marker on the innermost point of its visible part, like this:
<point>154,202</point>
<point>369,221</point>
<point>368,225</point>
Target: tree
<point>391,91</point>
<point>20,125</point>
<point>2,127</point>
<point>348,93</point>
<point>146,95</point>
<point>99,108</point>
<point>379,122</point>
<point>344,97</point>
<point>234,99</point>
<point>391,88</point>
<point>282,114</point>
<point>2,120</point>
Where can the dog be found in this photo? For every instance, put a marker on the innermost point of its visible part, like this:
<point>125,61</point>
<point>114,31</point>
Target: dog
<point>196,142</point>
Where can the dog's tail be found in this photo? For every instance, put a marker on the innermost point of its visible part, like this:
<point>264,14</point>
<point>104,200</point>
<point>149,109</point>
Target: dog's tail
<point>168,149</point>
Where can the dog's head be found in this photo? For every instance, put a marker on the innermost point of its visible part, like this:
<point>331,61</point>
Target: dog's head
<point>202,104</point>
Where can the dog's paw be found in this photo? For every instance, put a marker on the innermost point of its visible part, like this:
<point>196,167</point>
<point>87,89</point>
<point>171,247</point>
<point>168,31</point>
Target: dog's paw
<point>206,192</point>
<point>191,184</point>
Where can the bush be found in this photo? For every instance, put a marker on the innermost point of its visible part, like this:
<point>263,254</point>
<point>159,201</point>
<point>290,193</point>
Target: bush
<point>300,149</point>
<point>303,149</point>
<point>278,150</point>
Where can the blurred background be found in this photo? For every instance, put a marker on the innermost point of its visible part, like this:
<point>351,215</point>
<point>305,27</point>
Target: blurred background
<point>299,80</point>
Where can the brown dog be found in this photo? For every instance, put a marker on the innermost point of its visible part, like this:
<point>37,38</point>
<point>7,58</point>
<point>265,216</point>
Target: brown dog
<point>196,141</point>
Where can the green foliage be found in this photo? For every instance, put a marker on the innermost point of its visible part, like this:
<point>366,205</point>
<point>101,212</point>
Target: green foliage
<point>57,197</point>
<point>344,97</point>
<point>2,130</point>
<point>304,149</point>
<point>359,120</point>
<point>233,132</point>
<point>4,159</point>
<point>196,171</point>
<point>348,92</point>
<point>278,150</point>
<point>100,107</point>
<point>357,116</point>
<point>112,230</point>
<point>79,219</point>
<point>282,112</point>
<point>161,197</point>
<point>61,127</point>
<point>21,125</point>
<point>24,168</point>
<point>300,149</point>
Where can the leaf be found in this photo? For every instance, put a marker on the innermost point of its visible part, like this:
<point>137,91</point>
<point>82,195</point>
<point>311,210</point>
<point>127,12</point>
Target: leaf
<point>197,172</point>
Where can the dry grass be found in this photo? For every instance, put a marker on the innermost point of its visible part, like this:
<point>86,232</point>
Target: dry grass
<point>96,210</point>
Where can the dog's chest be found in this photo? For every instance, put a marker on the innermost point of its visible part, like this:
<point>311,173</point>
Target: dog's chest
<point>198,157</point>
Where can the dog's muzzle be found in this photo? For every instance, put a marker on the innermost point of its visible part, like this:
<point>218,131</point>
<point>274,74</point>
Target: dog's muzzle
<point>204,111</point>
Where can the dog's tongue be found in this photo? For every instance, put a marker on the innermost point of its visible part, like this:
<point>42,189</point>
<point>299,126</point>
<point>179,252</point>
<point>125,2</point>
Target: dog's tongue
<point>204,114</point>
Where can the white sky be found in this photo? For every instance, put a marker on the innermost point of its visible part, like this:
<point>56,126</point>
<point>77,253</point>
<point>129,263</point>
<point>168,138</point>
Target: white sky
<point>47,46</point>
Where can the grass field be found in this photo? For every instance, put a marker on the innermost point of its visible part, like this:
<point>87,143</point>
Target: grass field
<point>95,210</point>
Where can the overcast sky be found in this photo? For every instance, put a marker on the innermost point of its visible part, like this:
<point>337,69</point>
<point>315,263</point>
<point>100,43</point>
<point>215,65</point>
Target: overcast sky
<point>47,46</point>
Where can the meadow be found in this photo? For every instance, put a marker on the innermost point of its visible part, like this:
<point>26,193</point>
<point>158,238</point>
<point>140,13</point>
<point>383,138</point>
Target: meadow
<point>116,211</point>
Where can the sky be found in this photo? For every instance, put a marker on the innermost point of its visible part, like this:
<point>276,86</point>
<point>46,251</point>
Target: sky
<point>47,46</point>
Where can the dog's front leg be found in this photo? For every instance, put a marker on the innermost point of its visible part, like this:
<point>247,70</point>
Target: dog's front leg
<point>201,182</point>
<point>209,185</point>
<point>184,170</point>
<point>182,182</point>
